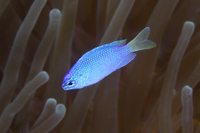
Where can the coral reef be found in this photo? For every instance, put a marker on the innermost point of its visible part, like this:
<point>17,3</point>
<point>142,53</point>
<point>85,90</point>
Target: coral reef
<point>158,92</point>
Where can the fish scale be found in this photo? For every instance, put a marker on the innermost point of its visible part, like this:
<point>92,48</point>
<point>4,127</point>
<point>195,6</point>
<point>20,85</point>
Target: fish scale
<point>101,61</point>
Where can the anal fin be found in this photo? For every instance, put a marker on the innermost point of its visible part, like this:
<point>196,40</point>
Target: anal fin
<point>128,58</point>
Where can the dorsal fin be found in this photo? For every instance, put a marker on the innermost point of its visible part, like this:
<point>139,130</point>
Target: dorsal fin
<point>118,43</point>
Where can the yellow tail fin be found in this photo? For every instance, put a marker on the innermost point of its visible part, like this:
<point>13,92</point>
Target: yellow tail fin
<point>140,42</point>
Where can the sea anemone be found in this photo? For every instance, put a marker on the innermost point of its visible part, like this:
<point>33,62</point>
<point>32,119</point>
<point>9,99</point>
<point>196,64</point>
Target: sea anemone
<point>156,92</point>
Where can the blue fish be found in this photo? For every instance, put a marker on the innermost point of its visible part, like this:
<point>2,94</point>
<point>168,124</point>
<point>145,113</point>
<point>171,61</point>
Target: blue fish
<point>101,61</point>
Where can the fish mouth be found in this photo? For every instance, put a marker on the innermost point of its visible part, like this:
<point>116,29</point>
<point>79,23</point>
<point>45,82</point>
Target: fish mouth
<point>64,86</point>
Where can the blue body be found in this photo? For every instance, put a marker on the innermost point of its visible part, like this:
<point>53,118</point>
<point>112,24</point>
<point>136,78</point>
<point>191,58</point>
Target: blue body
<point>99,62</point>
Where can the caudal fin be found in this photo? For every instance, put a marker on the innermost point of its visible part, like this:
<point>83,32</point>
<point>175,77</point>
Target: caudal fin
<point>140,42</point>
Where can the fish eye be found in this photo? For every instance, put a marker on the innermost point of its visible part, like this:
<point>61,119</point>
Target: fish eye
<point>71,83</point>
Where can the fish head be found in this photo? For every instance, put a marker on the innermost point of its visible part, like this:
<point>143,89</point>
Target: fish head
<point>69,84</point>
<point>73,81</point>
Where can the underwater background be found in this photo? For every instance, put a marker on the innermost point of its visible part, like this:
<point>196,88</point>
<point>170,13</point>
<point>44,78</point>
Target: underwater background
<point>158,92</point>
